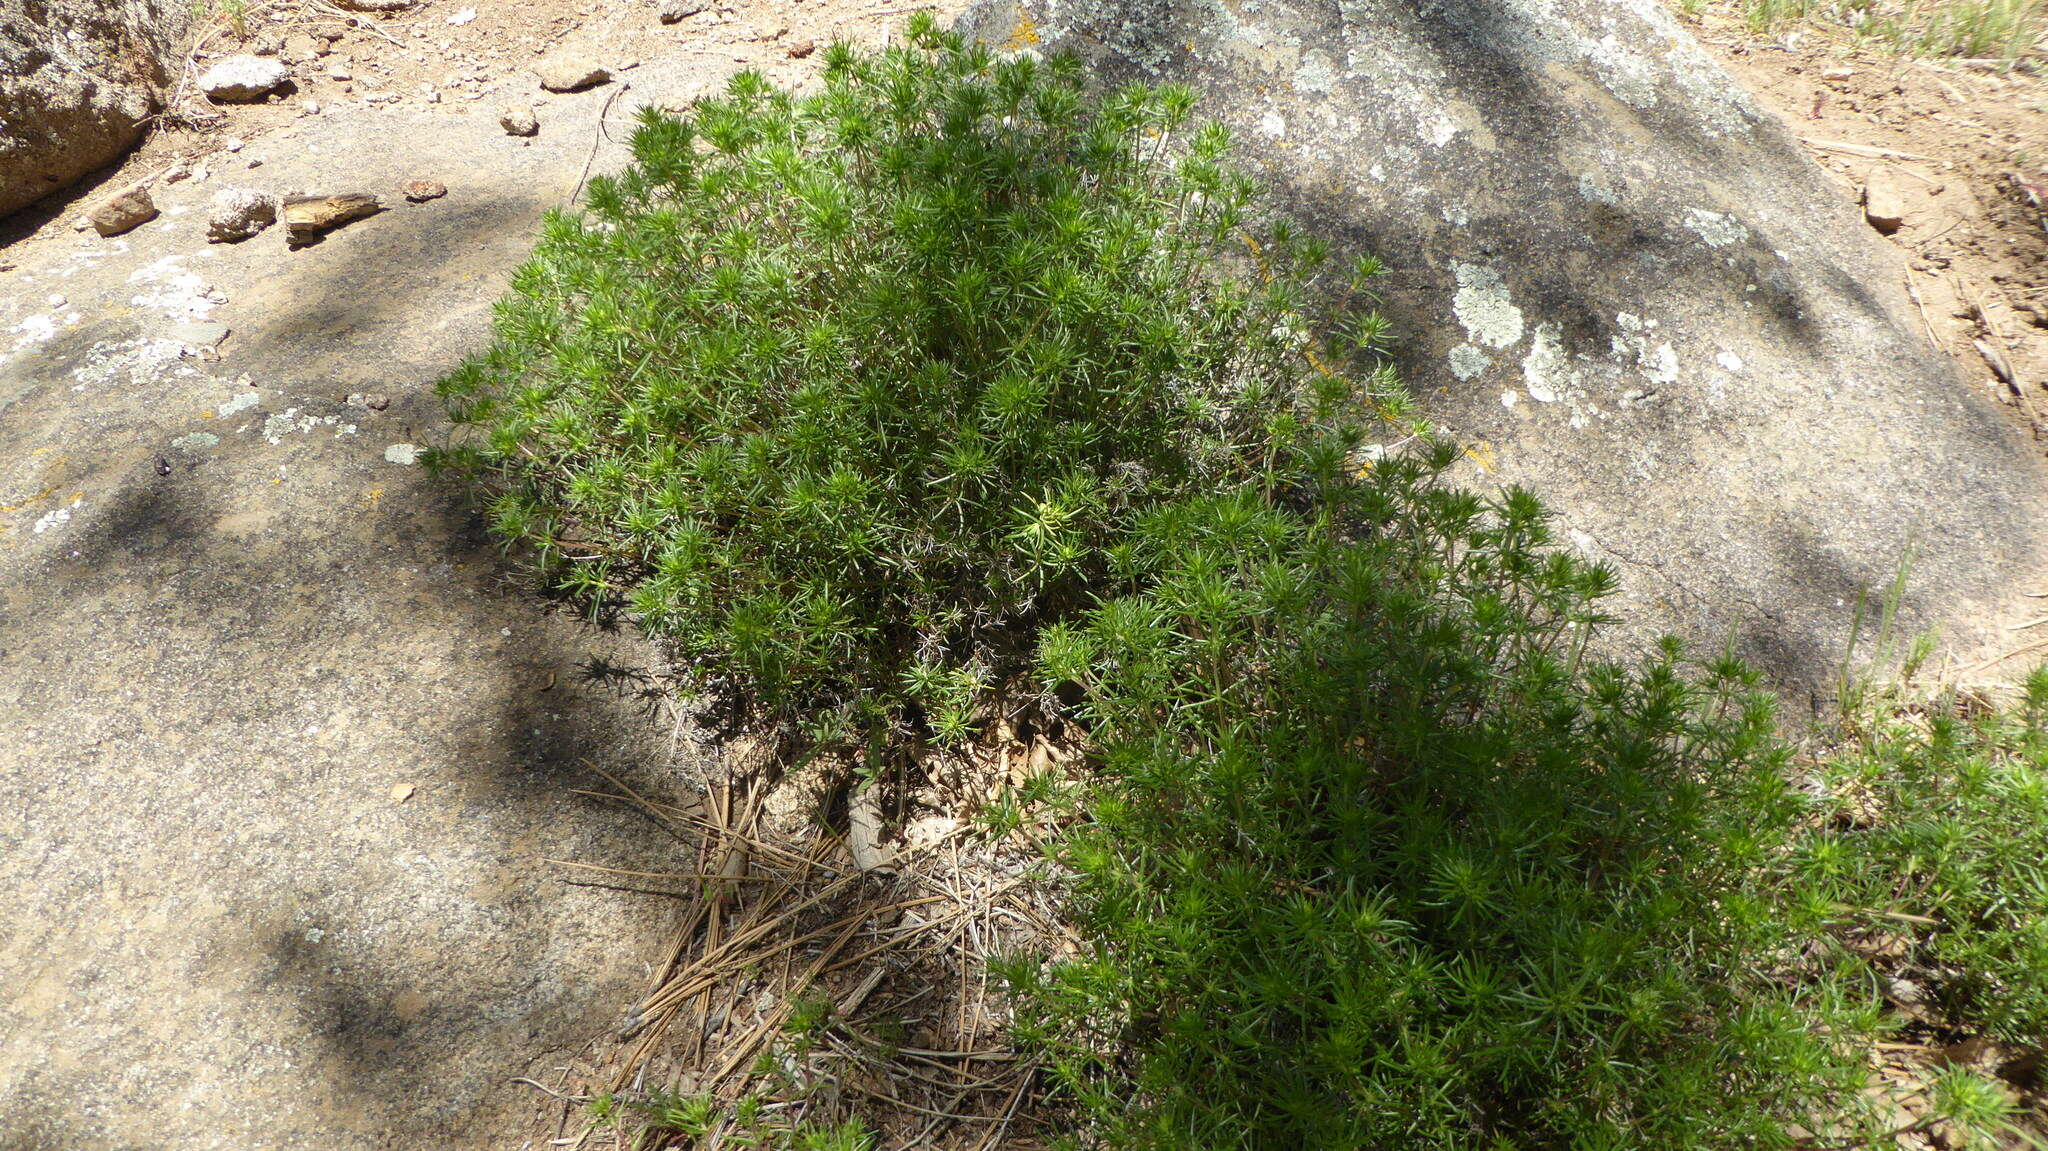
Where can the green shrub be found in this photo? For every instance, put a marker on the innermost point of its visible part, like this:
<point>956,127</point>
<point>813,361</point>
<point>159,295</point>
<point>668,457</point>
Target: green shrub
<point>871,400</point>
<point>849,393</point>
<point>1372,855</point>
<point>1932,832</point>
<point>1375,859</point>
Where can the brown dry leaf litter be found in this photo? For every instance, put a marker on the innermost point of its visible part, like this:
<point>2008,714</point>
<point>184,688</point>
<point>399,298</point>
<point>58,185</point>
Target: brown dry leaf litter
<point>783,918</point>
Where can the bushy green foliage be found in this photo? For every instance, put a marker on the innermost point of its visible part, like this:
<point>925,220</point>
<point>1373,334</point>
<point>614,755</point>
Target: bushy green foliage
<point>849,392</point>
<point>869,400</point>
<point>1375,859</point>
<point>1374,856</point>
<point>1933,827</point>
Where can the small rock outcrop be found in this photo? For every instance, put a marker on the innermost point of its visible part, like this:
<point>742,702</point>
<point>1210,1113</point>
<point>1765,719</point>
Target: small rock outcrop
<point>244,79</point>
<point>570,73</point>
<point>518,120</point>
<point>78,79</point>
<point>1625,286</point>
<point>125,212</point>
<point>239,213</point>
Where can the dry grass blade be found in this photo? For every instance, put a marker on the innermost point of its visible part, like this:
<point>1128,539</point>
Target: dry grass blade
<point>1995,660</point>
<point>1864,150</point>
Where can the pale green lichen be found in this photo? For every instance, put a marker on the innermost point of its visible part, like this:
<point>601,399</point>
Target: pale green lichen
<point>1484,306</point>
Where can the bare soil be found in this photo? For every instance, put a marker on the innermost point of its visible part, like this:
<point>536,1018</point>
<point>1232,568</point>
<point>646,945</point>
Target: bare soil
<point>1962,148</point>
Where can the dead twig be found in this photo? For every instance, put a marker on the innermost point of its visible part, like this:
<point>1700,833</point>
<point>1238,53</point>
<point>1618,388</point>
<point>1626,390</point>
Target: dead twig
<point>1866,150</point>
<point>597,138</point>
<point>744,1051</point>
<point>354,20</point>
<point>661,874</point>
<point>1995,660</point>
<point>1010,1116</point>
<point>547,1090</point>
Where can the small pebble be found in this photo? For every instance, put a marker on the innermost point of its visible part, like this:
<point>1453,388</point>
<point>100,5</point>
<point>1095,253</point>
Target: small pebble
<point>125,212</point>
<point>570,73</point>
<point>244,79</point>
<point>518,120</point>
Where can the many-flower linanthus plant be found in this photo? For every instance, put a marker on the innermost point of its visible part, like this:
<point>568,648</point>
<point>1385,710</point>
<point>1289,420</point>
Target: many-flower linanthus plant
<point>847,394</point>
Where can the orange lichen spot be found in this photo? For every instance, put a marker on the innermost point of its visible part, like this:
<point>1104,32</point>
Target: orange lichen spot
<point>1258,255</point>
<point>1024,34</point>
<point>36,498</point>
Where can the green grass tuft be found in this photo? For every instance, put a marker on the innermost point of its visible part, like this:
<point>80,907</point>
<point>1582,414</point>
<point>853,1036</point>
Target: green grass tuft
<point>2006,30</point>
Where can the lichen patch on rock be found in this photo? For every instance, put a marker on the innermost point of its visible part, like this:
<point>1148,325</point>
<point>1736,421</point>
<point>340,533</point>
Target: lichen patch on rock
<point>1485,307</point>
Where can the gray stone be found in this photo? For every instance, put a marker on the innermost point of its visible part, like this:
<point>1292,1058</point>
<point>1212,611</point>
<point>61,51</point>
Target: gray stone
<point>570,72</point>
<point>676,11</point>
<point>518,120</point>
<point>244,79</point>
<point>375,5</point>
<point>124,213</point>
<point>1626,287</point>
<point>78,81</point>
<point>239,213</point>
<point>199,335</point>
<point>213,675</point>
